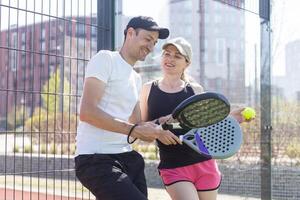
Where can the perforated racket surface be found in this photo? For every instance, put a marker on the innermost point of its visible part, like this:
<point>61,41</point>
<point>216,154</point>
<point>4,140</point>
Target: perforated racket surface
<point>221,140</point>
<point>199,111</point>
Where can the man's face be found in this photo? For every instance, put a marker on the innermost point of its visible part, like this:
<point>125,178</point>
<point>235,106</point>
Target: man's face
<point>142,43</point>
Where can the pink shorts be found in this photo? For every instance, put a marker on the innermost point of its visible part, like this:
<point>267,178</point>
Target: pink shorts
<point>205,175</point>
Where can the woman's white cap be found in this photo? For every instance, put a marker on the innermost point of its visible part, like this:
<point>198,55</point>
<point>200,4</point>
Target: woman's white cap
<point>183,46</point>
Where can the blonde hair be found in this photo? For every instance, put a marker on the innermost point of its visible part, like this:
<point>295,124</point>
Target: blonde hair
<point>184,77</point>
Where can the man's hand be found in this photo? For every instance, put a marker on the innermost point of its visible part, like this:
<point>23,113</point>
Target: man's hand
<point>148,131</point>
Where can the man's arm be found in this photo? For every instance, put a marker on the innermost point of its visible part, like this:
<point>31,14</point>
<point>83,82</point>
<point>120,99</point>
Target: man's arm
<point>93,91</point>
<point>90,113</point>
<point>136,114</point>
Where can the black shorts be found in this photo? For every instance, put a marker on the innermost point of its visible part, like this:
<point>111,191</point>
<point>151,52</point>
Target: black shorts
<point>113,176</point>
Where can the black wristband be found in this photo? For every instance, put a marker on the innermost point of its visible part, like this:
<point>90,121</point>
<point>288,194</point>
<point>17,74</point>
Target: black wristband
<point>130,131</point>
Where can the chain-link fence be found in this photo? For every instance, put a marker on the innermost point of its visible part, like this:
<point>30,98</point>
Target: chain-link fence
<point>44,48</point>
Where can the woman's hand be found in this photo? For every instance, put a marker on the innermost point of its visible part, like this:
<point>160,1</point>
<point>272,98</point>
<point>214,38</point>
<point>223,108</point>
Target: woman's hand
<point>168,138</point>
<point>164,119</point>
<point>237,114</point>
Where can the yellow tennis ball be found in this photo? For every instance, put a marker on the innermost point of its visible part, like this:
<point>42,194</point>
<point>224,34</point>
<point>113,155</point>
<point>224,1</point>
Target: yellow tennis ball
<point>248,113</point>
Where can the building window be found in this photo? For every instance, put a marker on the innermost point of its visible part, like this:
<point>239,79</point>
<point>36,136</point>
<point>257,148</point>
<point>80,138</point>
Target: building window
<point>43,33</point>
<point>220,51</point>
<point>13,53</point>
<point>43,46</point>
<point>80,30</point>
<point>23,38</point>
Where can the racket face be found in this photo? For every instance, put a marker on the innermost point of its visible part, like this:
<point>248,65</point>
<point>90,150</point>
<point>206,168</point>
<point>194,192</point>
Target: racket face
<point>219,141</point>
<point>202,110</point>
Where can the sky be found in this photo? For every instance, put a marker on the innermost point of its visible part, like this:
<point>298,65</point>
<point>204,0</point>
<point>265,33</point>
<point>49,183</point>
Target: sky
<point>48,7</point>
<point>155,8</point>
<point>285,29</point>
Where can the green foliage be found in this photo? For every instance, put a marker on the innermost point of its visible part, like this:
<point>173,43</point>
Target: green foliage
<point>286,124</point>
<point>16,149</point>
<point>152,148</point>
<point>72,149</point>
<point>142,148</point>
<point>16,117</point>
<point>60,127</point>
<point>53,149</point>
<point>285,112</point>
<point>43,148</point>
<point>51,120</point>
<point>150,156</point>
<point>57,122</point>
<point>293,149</point>
<point>53,96</point>
<point>147,150</point>
<point>68,149</point>
<point>28,148</point>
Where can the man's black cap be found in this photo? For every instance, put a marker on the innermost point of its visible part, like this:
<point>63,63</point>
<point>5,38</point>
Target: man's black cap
<point>148,24</point>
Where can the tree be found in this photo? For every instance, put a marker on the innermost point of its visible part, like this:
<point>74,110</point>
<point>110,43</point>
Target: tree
<point>53,120</point>
<point>53,98</point>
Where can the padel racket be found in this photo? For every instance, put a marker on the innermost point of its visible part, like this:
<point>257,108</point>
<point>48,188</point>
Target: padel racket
<point>218,141</point>
<point>198,111</point>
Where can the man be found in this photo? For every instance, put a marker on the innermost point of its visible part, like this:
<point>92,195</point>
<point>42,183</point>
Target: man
<point>110,116</point>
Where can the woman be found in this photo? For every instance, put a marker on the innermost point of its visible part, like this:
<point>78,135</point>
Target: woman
<point>185,173</point>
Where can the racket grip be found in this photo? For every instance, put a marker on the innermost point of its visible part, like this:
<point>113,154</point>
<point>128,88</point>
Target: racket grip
<point>166,126</point>
<point>181,138</point>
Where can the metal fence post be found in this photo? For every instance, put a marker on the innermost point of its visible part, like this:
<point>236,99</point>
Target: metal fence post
<point>106,24</point>
<point>266,128</point>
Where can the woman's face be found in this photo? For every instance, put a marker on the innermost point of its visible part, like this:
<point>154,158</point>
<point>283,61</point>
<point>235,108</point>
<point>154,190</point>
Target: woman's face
<point>172,61</point>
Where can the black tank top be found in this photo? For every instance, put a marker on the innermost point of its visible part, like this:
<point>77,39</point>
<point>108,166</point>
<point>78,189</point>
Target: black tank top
<point>161,103</point>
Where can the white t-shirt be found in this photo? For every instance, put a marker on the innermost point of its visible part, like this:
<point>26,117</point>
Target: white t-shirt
<point>121,94</point>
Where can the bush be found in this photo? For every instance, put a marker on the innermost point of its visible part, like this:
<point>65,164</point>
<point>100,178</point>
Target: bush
<point>58,127</point>
<point>68,149</point>
<point>43,148</point>
<point>28,148</point>
<point>150,155</point>
<point>147,150</point>
<point>16,149</point>
<point>16,117</point>
<point>293,149</point>
<point>54,149</point>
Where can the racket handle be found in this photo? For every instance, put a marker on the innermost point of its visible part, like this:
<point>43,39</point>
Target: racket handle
<point>181,138</point>
<point>166,126</point>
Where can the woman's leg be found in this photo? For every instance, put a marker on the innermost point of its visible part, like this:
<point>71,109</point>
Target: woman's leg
<point>182,191</point>
<point>208,195</point>
<point>208,183</point>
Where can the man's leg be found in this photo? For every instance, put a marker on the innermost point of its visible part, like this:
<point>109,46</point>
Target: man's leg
<point>106,178</point>
<point>135,166</point>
